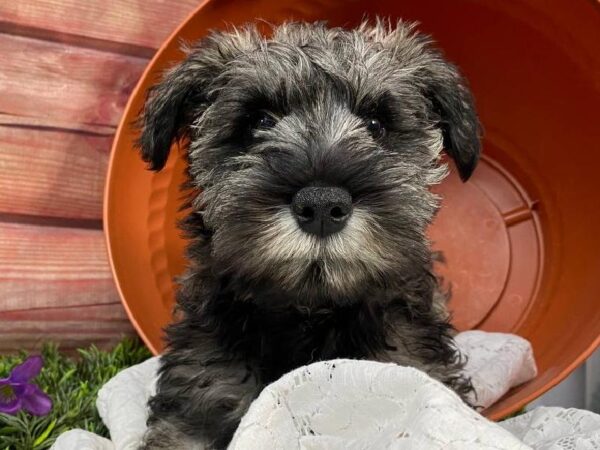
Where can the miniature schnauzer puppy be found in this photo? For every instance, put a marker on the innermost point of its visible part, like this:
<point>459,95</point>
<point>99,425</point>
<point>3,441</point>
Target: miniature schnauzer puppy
<point>310,155</point>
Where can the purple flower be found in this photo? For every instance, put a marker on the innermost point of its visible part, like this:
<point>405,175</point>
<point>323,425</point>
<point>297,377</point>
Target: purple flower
<point>17,393</point>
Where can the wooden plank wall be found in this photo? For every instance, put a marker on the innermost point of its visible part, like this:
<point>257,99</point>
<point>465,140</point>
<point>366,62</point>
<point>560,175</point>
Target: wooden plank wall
<point>66,70</point>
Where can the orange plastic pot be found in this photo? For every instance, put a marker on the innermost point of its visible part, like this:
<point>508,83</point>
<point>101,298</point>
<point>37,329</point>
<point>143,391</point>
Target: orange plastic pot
<point>521,238</point>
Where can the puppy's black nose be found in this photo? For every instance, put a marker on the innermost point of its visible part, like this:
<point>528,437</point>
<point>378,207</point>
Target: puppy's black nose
<point>322,210</point>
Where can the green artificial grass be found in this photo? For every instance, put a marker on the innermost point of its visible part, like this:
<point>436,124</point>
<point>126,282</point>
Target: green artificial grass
<point>72,383</point>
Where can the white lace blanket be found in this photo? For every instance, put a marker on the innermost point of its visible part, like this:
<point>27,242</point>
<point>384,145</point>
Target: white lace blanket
<point>349,404</point>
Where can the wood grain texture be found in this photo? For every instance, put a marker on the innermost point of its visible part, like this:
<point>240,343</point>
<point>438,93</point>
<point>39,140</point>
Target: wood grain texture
<point>66,71</point>
<point>64,83</point>
<point>56,286</point>
<point>93,324</point>
<point>52,172</point>
<point>42,267</point>
<point>50,123</point>
<point>144,24</point>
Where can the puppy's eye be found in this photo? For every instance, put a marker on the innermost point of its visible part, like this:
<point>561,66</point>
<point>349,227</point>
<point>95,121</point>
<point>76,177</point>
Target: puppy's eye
<point>375,127</point>
<point>262,120</point>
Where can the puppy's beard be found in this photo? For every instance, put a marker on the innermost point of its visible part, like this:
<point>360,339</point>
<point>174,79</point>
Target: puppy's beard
<point>344,259</point>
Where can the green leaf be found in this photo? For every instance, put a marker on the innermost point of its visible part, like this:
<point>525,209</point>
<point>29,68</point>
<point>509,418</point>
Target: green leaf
<point>67,375</point>
<point>42,437</point>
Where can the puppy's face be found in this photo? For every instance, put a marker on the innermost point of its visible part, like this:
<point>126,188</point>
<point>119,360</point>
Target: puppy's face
<point>314,149</point>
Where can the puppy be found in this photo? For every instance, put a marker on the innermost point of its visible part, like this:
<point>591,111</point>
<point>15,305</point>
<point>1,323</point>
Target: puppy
<point>310,156</point>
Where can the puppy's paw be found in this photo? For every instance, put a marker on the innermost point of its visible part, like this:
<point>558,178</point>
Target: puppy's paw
<point>163,435</point>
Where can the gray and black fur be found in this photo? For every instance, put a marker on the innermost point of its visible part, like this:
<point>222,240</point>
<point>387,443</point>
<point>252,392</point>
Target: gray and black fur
<point>368,110</point>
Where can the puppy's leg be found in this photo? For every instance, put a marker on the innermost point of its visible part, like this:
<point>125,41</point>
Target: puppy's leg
<point>449,370</point>
<point>163,434</point>
<point>434,354</point>
<point>198,405</point>
<point>422,337</point>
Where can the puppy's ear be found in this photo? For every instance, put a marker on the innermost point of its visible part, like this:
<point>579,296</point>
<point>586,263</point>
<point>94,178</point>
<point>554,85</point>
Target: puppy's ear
<point>452,106</point>
<point>167,112</point>
<point>449,101</point>
<point>181,96</point>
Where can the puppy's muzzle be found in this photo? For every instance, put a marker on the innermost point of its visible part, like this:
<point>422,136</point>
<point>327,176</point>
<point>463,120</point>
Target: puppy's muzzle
<point>322,210</point>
